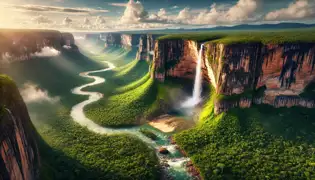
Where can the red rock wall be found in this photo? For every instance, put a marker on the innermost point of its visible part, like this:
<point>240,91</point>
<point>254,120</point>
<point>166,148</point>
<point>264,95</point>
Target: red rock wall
<point>284,69</point>
<point>287,69</point>
<point>19,158</point>
<point>235,66</point>
<point>176,59</point>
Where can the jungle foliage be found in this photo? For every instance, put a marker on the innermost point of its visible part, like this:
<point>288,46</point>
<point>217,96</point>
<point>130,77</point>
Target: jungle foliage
<point>261,142</point>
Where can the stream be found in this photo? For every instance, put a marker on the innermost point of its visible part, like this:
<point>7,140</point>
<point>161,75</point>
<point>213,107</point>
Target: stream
<point>174,159</point>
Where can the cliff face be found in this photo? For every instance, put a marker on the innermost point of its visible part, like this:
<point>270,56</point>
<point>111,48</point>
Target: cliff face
<point>282,70</point>
<point>146,47</point>
<point>19,45</point>
<point>287,69</point>
<point>19,158</point>
<point>176,59</point>
<point>235,67</point>
<point>120,39</point>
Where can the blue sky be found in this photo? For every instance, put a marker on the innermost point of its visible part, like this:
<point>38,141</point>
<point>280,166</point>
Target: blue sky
<point>145,14</point>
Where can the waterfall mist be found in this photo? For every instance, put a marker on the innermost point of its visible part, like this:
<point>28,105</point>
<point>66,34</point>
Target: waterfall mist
<point>196,98</point>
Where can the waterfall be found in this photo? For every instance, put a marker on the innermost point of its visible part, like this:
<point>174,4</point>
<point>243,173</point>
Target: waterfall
<point>196,98</point>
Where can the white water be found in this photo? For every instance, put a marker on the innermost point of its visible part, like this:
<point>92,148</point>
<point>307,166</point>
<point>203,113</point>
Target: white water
<point>77,114</point>
<point>196,98</point>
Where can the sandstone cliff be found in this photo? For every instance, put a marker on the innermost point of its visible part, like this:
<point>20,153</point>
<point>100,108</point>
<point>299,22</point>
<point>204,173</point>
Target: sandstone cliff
<point>119,39</point>
<point>19,158</point>
<point>283,70</point>
<point>176,59</point>
<point>146,47</point>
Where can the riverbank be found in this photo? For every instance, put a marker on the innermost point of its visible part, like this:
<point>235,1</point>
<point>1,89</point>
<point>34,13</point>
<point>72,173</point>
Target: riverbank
<point>169,124</point>
<point>190,167</point>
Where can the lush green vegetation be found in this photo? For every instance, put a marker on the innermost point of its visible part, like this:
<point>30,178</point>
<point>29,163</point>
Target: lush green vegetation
<point>149,134</point>
<point>260,142</point>
<point>8,91</point>
<point>236,37</point>
<point>129,96</point>
<point>309,91</point>
<point>76,153</point>
<point>247,94</point>
<point>69,151</point>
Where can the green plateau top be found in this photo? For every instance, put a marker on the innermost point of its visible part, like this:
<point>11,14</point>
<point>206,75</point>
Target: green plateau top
<point>306,35</point>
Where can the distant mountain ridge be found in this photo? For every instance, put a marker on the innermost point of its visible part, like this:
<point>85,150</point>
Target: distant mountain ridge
<point>263,26</point>
<point>241,27</point>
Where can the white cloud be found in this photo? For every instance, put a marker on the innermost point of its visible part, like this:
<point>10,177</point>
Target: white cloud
<point>134,13</point>
<point>31,93</point>
<point>67,21</point>
<point>86,21</point>
<point>41,19</point>
<point>118,4</point>
<point>242,11</point>
<point>208,17</point>
<point>174,7</point>
<point>40,8</point>
<point>46,52</point>
<point>185,15</point>
<point>67,47</point>
<point>162,12</point>
<point>100,20</point>
<point>6,58</point>
<point>300,9</point>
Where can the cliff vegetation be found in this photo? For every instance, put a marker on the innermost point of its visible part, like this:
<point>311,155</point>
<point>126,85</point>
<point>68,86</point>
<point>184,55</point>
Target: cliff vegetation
<point>243,37</point>
<point>261,142</point>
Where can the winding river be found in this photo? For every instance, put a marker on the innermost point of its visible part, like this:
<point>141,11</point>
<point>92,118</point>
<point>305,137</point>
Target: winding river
<point>176,162</point>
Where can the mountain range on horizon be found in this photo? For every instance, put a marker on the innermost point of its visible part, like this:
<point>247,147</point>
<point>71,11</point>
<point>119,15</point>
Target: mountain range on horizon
<point>241,27</point>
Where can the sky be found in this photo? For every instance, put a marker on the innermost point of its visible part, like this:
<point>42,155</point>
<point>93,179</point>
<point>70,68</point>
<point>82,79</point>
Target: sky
<point>116,15</point>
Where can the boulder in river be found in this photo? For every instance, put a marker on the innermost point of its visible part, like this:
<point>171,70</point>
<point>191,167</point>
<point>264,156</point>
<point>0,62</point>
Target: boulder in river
<point>163,150</point>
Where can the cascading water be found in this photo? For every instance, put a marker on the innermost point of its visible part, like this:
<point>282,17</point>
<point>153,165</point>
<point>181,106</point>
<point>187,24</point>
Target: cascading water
<point>196,98</point>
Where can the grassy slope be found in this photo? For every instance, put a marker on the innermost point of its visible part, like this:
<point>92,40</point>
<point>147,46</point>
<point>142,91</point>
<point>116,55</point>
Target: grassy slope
<point>260,142</point>
<point>129,94</point>
<point>265,37</point>
<point>69,151</point>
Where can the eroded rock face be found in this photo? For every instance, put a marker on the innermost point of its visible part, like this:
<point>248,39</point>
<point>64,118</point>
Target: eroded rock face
<point>146,47</point>
<point>287,68</point>
<point>176,59</point>
<point>284,70</point>
<point>120,39</point>
<point>19,158</point>
<point>235,67</point>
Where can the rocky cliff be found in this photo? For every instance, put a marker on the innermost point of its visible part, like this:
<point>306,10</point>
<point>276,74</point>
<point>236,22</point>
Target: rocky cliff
<point>283,70</point>
<point>120,39</point>
<point>176,59</point>
<point>19,158</point>
<point>19,45</point>
<point>146,47</point>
